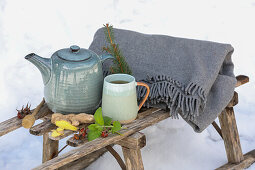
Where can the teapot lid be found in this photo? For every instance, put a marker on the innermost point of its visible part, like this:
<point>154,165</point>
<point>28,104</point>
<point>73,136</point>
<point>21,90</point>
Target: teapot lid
<point>74,53</point>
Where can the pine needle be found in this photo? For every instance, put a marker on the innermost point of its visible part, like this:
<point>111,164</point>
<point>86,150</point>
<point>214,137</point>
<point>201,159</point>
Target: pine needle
<point>120,64</point>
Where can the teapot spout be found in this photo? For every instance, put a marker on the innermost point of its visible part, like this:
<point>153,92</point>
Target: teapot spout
<point>43,64</point>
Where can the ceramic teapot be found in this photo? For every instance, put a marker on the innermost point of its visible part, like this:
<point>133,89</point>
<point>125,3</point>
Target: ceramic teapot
<point>73,79</point>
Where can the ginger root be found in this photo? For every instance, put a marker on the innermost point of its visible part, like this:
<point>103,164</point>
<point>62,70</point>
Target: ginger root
<point>74,119</point>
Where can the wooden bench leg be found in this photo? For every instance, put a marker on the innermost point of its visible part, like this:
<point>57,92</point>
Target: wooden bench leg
<point>50,148</point>
<point>133,158</point>
<point>131,150</point>
<point>230,135</point>
<point>236,159</point>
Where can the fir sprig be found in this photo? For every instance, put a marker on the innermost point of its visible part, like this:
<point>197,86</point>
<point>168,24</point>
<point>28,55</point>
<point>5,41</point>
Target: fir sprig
<point>120,64</point>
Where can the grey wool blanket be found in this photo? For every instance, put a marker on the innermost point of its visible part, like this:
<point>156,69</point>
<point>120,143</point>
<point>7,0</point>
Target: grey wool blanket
<point>191,78</point>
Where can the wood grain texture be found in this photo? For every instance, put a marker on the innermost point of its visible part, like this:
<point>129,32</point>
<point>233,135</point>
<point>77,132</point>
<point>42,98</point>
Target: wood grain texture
<point>131,146</point>
<point>134,141</point>
<point>66,133</point>
<point>46,117</point>
<point>241,79</point>
<point>42,128</point>
<point>50,148</point>
<point>133,158</point>
<point>15,123</point>
<point>47,126</point>
<point>84,161</point>
<point>147,112</point>
<point>230,136</point>
<point>234,100</point>
<point>75,143</point>
<point>99,143</point>
<point>249,159</point>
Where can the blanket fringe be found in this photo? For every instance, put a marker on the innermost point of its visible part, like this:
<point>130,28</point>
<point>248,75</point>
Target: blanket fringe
<point>186,100</point>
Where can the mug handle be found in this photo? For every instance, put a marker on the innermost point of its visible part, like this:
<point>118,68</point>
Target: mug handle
<point>147,93</point>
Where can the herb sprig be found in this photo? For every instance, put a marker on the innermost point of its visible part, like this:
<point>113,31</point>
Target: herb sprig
<point>102,126</point>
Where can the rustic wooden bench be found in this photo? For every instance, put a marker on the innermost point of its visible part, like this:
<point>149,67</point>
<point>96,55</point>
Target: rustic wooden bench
<point>131,141</point>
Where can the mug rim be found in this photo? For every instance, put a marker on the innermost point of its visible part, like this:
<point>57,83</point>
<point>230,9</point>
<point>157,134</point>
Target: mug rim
<point>132,79</point>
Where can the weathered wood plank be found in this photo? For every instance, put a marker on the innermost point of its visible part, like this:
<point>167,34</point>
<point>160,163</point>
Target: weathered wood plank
<point>84,161</point>
<point>42,128</point>
<point>135,141</point>
<point>47,126</point>
<point>46,117</point>
<point>50,148</point>
<point>147,112</point>
<point>241,79</point>
<point>67,133</point>
<point>249,159</point>
<point>133,158</point>
<point>75,143</point>
<point>234,100</point>
<point>15,123</point>
<point>99,143</point>
<point>230,136</point>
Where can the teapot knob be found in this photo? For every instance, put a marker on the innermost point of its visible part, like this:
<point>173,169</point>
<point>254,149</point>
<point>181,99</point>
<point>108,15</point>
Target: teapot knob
<point>75,48</point>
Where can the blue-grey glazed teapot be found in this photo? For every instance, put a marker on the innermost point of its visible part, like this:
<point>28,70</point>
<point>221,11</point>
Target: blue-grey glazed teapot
<point>73,79</point>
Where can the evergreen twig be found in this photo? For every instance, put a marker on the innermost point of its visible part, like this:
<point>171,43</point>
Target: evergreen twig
<point>120,64</point>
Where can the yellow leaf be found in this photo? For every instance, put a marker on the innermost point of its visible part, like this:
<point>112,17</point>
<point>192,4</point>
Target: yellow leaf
<point>54,133</point>
<point>60,130</point>
<point>65,125</point>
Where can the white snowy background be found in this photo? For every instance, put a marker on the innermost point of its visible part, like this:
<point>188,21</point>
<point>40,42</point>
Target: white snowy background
<point>45,26</point>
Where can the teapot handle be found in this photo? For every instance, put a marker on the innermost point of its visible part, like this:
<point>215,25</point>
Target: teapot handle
<point>147,93</point>
<point>104,57</point>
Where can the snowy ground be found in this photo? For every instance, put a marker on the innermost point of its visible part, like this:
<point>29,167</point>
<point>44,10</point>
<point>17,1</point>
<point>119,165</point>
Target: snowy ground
<point>46,26</point>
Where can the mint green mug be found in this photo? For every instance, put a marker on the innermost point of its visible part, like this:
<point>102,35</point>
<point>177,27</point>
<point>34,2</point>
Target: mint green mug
<point>119,100</point>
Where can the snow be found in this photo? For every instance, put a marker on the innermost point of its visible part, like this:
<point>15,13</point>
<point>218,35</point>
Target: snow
<point>45,26</point>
